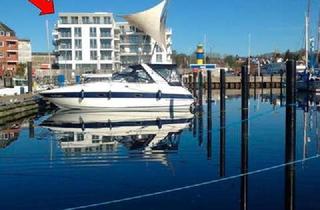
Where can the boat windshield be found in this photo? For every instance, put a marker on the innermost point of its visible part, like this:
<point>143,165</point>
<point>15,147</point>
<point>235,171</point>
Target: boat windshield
<point>171,75</point>
<point>132,76</point>
<point>96,78</point>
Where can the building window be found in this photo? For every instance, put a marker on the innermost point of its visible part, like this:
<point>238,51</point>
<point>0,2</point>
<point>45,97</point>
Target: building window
<point>2,33</point>
<point>158,49</point>
<point>105,32</point>
<point>1,54</point>
<point>78,43</point>
<point>65,32</point>
<point>93,32</point>
<point>1,44</point>
<point>96,20</point>
<point>77,32</point>
<point>106,55</point>
<point>105,44</point>
<point>159,58</point>
<point>93,43</point>
<point>78,55</point>
<point>74,20</point>
<point>93,55</point>
<point>132,29</point>
<point>64,20</point>
<point>107,20</point>
<point>66,55</point>
<point>85,20</point>
<point>65,44</point>
<point>80,137</point>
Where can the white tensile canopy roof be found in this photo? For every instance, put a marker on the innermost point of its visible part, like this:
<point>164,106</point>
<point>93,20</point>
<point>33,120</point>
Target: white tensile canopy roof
<point>152,22</point>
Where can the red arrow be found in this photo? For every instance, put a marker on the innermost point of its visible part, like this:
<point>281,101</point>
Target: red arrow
<point>46,6</point>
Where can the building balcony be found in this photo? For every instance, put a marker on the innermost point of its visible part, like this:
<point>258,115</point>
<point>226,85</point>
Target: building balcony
<point>106,58</point>
<point>12,50</point>
<point>62,48</point>
<point>106,35</point>
<point>14,41</point>
<point>12,60</point>
<point>64,36</point>
<point>80,22</point>
<point>106,47</point>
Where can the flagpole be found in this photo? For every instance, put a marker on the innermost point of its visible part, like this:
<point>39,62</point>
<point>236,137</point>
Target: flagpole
<point>48,45</point>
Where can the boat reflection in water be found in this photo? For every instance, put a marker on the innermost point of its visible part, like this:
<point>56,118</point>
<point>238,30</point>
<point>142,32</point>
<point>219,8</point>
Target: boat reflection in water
<point>310,104</point>
<point>149,134</point>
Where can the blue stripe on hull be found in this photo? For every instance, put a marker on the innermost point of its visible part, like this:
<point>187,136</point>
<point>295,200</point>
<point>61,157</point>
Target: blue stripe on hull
<point>96,125</point>
<point>114,95</point>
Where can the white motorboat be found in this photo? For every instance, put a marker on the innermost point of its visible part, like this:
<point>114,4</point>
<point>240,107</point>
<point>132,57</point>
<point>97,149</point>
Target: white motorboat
<point>146,87</point>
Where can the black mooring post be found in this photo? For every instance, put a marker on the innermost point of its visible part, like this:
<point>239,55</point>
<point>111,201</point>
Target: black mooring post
<point>262,87</point>
<point>30,81</point>
<point>271,88</point>
<point>190,82</point>
<point>209,120</point>
<point>222,121</point>
<point>194,86</point>
<point>209,87</point>
<point>200,108</point>
<point>255,86</point>
<point>195,125</point>
<point>281,90</point>
<point>200,126</point>
<point>244,136</point>
<point>31,129</point>
<point>290,149</point>
<point>200,91</point>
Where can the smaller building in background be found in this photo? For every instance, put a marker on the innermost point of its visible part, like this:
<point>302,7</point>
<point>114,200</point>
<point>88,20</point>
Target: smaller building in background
<point>24,51</point>
<point>40,63</point>
<point>8,50</point>
<point>137,47</point>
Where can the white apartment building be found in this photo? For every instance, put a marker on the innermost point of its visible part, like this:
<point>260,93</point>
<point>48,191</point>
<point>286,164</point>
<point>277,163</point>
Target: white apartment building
<point>87,42</point>
<point>95,42</point>
<point>24,51</point>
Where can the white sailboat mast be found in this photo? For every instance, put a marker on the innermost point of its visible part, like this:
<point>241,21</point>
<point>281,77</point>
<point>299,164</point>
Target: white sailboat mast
<point>318,36</point>
<point>249,53</point>
<point>307,33</point>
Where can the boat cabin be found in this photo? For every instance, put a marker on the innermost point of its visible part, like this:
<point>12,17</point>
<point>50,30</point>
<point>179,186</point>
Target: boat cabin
<point>144,73</point>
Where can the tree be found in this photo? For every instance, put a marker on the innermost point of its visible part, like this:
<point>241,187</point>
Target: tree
<point>182,60</point>
<point>21,70</point>
<point>230,61</point>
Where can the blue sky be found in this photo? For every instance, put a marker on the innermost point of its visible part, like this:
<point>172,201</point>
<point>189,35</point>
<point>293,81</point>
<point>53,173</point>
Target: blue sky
<point>273,24</point>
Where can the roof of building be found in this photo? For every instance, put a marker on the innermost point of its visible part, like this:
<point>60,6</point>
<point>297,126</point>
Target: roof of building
<point>6,28</point>
<point>42,54</point>
<point>24,40</point>
<point>84,13</point>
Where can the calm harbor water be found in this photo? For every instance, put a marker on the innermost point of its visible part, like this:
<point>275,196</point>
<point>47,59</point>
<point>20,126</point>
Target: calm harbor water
<point>84,159</point>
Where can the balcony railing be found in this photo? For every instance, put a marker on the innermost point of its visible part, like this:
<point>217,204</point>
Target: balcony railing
<point>105,35</point>
<point>106,46</point>
<point>65,35</point>
<point>106,58</point>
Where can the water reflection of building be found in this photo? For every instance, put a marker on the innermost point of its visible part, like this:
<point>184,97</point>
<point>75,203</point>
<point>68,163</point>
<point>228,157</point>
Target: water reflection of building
<point>74,142</point>
<point>148,134</point>
<point>9,135</point>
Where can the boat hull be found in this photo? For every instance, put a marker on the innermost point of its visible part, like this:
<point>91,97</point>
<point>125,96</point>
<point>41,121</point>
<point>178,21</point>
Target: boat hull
<point>129,104</point>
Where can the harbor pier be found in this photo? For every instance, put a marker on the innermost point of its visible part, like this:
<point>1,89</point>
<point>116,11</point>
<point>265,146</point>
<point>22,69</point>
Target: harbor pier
<point>234,82</point>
